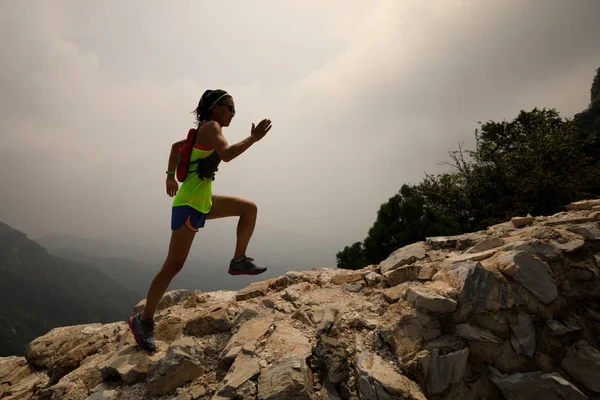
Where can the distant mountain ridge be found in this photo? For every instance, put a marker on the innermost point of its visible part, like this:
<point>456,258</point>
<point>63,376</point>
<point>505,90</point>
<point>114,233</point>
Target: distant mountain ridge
<point>39,291</point>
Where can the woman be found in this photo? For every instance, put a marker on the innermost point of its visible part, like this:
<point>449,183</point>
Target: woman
<point>194,203</point>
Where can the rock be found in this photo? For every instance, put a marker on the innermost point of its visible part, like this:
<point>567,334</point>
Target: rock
<point>247,314</point>
<point>570,247</point>
<point>537,247</point>
<point>472,256</point>
<point>583,205</point>
<point>566,327</point>
<point>168,328</point>
<point>478,287</point>
<point>458,242</point>
<point>61,350</point>
<point>474,333</point>
<point>532,273</point>
<point>430,301</point>
<point>403,256</point>
<point>333,358</point>
<point>444,370</point>
<point>590,231</point>
<point>256,289</point>
<point>353,287</point>
<point>287,379</point>
<point>486,244</point>
<point>169,299</point>
<point>249,333</point>
<point>209,323</point>
<point>103,392</point>
<point>522,221</point>
<point>524,335</point>
<point>183,363</point>
<point>9,365</point>
<point>536,385</point>
<point>379,380</point>
<point>597,259</point>
<point>343,278</point>
<point>128,365</point>
<point>395,293</point>
<point>402,274</point>
<point>373,279</point>
<point>245,368</point>
<point>427,272</point>
<point>405,329</point>
<point>285,341</point>
<point>582,362</point>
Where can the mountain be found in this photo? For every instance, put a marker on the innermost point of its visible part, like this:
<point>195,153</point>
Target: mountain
<point>510,312</point>
<point>39,291</point>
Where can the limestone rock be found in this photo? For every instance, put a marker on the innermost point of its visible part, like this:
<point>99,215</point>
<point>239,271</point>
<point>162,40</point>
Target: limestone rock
<point>61,350</point>
<point>524,335</point>
<point>536,385</point>
<point>209,323</point>
<point>560,328</point>
<point>128,365</point>
<point>486,244</point>
<point>430,301</point>
<point>379,380</point>
<point>182,364</point>
<point>582,362</point>
<point>403,256</point>
<point>474,333</point>
<point>472,256</point>
<point>571,246</point>
<point>537,247</point>
<point>590,231</point>
<point>402,274</point>
<point>458,242</point>
<point>249,333</point>
<point>245,368</point>
<point>532,273</point>
<point>287,379</point>
<point>444,370</point>
<point>169,299</point>
<point>373,279</point>
<point>479,287</point>
<point>406,329</point>
<point>395,293</point>
<point>583,205</point>
<point>522,221</point>
<point>343,278</point>
<point>333,357</point>
<point>256,289</point>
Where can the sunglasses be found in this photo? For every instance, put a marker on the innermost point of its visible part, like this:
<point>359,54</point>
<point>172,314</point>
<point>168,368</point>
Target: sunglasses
<point>230,107</point>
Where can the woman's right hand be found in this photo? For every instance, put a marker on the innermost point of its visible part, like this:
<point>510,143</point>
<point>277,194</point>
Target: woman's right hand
<point>172,186</point>
<point>259,131</point>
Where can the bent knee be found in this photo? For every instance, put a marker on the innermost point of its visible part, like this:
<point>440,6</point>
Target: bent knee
<point>251,207</point>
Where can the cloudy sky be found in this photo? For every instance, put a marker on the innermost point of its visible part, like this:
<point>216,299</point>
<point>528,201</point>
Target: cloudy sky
<point>364,96</point>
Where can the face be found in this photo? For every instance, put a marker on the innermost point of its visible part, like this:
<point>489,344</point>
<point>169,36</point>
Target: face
<point>224,111</point>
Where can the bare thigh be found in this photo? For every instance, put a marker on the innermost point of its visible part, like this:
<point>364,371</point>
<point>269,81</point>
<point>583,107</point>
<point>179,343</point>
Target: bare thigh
<point>228,206</point>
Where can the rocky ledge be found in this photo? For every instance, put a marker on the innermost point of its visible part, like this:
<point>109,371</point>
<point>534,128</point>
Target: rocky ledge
<point>507,313</point>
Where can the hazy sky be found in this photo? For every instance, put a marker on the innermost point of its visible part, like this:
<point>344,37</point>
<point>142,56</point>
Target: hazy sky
<point>364,96</point>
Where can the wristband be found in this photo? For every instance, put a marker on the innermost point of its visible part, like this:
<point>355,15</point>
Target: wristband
<point>170,172</point>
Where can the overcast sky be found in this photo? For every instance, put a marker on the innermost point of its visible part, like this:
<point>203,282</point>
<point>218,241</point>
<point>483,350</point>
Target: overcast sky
<point>364,96</point>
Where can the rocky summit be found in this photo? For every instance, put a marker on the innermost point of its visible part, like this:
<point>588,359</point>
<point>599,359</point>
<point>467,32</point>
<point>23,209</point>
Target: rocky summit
<point>512,312</point>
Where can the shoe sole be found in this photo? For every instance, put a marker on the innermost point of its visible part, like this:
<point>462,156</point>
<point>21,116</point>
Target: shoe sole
<point>136,337</point>
<point>234,272</point>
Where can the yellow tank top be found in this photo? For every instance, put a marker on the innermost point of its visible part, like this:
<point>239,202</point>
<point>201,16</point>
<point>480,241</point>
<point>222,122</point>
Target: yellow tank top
<point>196,192</point>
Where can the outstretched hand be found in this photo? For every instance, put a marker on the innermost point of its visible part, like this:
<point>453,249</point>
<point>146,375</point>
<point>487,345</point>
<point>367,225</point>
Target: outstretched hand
<point>259,131</point>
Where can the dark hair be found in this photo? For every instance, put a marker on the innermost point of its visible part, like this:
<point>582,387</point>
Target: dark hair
<point>202,112</point>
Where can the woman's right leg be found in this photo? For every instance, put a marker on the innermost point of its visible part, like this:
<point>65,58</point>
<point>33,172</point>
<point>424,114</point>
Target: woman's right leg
<point>179,248</point>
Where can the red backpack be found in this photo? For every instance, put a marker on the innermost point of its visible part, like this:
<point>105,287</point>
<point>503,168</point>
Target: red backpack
<point>185,152</point>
